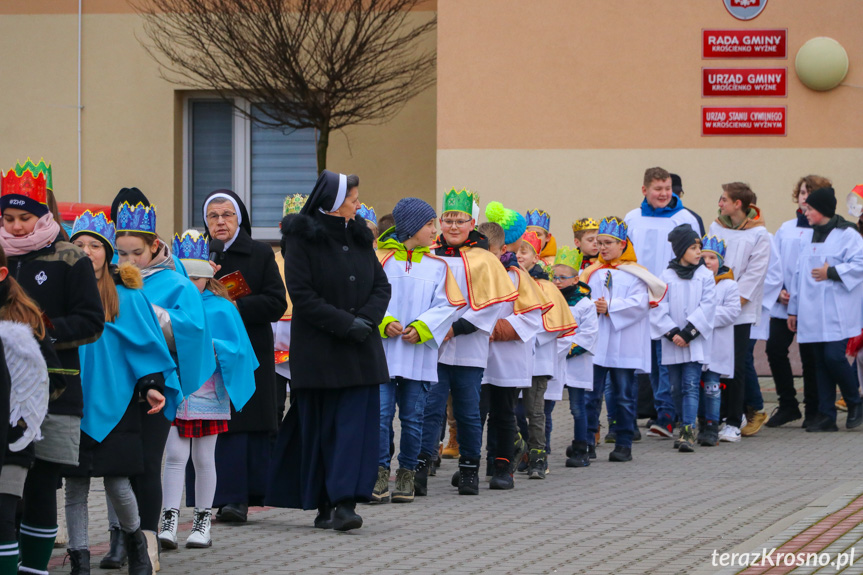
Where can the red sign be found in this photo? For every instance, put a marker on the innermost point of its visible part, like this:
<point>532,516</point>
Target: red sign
<point>743,121</point>
<point>744,43</point>
<point>744,81</point>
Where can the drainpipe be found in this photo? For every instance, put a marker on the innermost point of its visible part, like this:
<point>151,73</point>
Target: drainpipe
<point>80,107</point>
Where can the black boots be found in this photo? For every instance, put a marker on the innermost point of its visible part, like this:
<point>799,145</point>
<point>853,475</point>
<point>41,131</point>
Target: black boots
<point>421,477</point>
<point>855,416</point>
<point>233,513</point>
<point>577,455</point>
<point>345,517</point>
<point>620,454</point>
<point>502,478</point>
<point>468,476</point>
<point>116,556</point>
<point>139,558</point>
<point>324,519</point>
<point>709,434</point>
<point>822,423</point>
<point>80,561</point>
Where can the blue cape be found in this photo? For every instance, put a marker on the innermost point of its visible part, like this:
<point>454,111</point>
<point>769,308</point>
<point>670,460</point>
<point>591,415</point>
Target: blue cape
<point>181,299</point>
<point>234,350</point>
<point>674,206</point>
<point>129,348</point>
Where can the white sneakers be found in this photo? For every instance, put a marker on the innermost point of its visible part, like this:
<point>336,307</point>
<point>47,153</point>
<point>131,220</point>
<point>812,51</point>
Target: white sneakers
<point>729,434</point>
<point>200,535</point>
<point>168,529</point>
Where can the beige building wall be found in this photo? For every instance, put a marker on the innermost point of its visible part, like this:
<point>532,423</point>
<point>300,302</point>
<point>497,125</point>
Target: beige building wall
<point>132,122</point>
<point>562,105</point>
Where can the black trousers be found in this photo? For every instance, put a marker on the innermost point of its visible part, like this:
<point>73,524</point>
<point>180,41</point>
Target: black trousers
<point>778,344</point>
<point>734,388</point>
<point>40,494</point>
<point>148,485</point>
<point>502,427</point>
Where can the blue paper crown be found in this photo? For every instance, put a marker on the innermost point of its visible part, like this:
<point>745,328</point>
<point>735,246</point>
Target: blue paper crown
<point>191,246</point>
<point>611,227</point>
<point>97,224</point>
<point>368,213</point>
<point>538,219</point>
<point>137,218</point>
<point>715,245</point>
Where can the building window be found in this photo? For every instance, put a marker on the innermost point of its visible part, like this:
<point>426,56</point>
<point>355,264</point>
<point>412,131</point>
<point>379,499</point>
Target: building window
<point>261,164</point>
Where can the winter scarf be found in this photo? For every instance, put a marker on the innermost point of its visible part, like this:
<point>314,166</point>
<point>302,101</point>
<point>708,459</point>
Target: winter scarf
<point>43,235</point>
<point>674,206</point>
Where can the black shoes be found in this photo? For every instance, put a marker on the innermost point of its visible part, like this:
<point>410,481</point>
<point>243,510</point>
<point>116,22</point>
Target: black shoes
<point>537,464</point>
<point>421,477</point>
<point>782,415</point>
<point>591,452</point>
<point>578,455</point>
<point>855,416</point>
<point>115,558</point>
<point>822,423</point>
<point>324,518</point>
<point>502,478</point>
<point>139,557</point>
<point>80,561</point>
<point>709,435</point>
<point>468,476</point>
<point>233,513</point>
<point>636,434</point>
<point>345,517</point>
<point>620,454</point>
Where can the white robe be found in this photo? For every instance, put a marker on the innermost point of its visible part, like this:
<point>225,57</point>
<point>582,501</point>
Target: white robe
<point>510,363</point>
<point>789,240</point>
<point>579,368</point>
<point>722,342</point>
<point>545,354</point>
<point>624,333</point>
<point>418,293</point>
<point>470,350</point>
<point>748,255</point>
<point>773,282</point>
<point>649,236</point>
<point>686,301</point>
<point>829,310</point>
<point>554,391</point>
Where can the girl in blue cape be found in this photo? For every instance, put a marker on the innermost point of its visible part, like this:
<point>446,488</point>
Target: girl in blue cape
<point>205,414</point>
<point>127,375</point>
<point>181,313</point>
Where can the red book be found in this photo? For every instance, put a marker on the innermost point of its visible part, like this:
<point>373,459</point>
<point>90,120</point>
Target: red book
<point>236,284</point>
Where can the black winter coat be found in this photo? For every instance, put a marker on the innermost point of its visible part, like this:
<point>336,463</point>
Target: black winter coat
<point>5,391</point>
<point>61,281</point>
<point>333,276</point>
<point>266,304</point>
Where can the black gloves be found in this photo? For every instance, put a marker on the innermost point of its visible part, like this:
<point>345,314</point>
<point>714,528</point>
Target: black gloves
<point>689,333</point>
<point>153,381</point>
<point>670,335</point>
<point>360,329</point>
<point>462,327</point>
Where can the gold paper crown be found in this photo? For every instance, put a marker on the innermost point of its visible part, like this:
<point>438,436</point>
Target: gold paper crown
<point>585,224</point>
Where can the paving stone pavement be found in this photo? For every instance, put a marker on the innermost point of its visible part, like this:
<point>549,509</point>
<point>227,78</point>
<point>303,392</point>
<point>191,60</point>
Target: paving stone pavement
<point>665,513</point>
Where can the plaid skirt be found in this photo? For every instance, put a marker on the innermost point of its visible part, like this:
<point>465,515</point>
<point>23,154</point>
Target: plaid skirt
<point>200,427</point>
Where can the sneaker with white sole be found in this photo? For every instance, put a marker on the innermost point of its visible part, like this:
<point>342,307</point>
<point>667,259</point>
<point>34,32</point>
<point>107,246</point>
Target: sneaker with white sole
<point>730,434</point>
<point>168,528</point>
<point>199,538</point>
<point>665,431</point>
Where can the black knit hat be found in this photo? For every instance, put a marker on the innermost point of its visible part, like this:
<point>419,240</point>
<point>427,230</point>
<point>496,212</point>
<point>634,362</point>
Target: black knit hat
<point>823,201</point>
<point>676,184</point>
<point>411,214</point>
<point>681,238</point>
<point>131,195</point>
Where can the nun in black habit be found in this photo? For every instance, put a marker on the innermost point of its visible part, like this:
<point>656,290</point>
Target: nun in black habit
<point>326,452</point>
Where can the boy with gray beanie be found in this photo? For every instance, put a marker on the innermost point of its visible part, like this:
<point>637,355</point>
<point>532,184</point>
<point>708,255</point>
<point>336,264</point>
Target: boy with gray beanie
<point>425,301</point>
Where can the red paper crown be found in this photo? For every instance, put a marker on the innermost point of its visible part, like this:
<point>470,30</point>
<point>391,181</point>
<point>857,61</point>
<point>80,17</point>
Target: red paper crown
<point>28,185</point>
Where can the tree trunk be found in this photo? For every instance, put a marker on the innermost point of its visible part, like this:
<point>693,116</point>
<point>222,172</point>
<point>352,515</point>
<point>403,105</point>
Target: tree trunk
<point>321,147</point>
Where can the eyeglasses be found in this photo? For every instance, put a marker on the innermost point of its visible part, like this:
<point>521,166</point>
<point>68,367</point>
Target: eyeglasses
<point>451,223</point>
<point>555,278</point>
<point>215,217</point>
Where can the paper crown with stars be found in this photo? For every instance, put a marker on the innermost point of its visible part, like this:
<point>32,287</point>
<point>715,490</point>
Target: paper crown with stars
<point>137,218</point>
<point>585,224</point>
<point>715,245</point>
<point>462,201</point>
<point>613,228</point>
<point>193,249</point>
<point>368,213</point>
<point>538,219</point>
<point>293,204</point>
<point>567,256</point>
<point>98,225</point>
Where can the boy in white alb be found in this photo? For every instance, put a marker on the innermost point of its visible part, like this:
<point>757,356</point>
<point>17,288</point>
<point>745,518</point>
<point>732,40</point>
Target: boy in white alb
<point>747,243</point>
<point>623,293</point>
<point>721,343</point>
<point>648,227</point>
<point>684,324</point>
<point>578,375</point>
<point>825,309</point>
<point>425,301</point>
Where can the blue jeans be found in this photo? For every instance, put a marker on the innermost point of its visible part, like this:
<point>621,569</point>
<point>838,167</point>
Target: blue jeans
<point>411,397</point>
<point>685,379</point>
<point>611,407</point>
<point>831,368</point>
<point>711,397</point>
<point>593,406</point>
<point>579,414</point>
<point>464,384</point>
<point>624,393</point>
<point>661,386</point>
<point>751,390</point>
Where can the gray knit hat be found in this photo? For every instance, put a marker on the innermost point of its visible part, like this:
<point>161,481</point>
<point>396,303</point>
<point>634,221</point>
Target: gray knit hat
<point>411,214</point>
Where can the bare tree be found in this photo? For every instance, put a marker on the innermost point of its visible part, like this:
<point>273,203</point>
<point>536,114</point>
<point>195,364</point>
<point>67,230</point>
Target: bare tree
<point>323,64</point>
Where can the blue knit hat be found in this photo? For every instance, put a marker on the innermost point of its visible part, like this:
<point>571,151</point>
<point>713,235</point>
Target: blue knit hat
<point>411,214</point>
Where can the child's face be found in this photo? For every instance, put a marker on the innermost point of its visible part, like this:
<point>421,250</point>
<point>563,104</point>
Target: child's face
<point>200,283</point>
<point>711,260</point>
<point>802,195</point>
<point>527,258</point>
<point>456,227</point>
<point>497,249</point>
<point>587,244</point>
<point>427,234</point>
<point>692,255</point>
<point>564,276</point>
<point>729,207</point>
<point>610,248</point>
<point>658,193</point>
<point>541,233</point>
<point>514,246</point>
